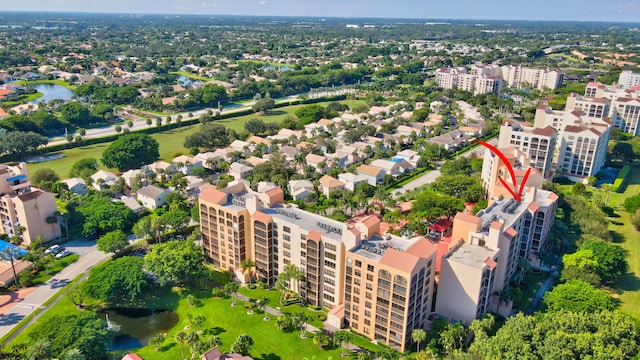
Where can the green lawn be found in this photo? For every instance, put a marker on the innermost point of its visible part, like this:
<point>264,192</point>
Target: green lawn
<point>533,281</point>
<point>627,289</point>
<point>171,141</point>
<point>53,268</point>
<point>191,76</point>
<point>274,302</point>
<point>56,82</point>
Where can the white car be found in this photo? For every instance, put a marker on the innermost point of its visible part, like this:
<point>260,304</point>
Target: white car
<point>54,250</point>
<point>63,253</point>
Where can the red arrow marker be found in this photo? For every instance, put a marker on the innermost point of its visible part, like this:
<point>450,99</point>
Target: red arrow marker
<point>504,159</point>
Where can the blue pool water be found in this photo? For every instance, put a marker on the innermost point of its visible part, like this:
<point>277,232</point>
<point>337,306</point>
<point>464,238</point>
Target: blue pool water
<point>4,245</point>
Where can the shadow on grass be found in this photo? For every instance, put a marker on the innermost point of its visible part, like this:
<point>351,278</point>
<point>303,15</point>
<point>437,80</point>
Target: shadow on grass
<point>215,331</point>
<point>167,347</point>
<point>626,282</point>
<point>270,356</point>
<point>616,237</point>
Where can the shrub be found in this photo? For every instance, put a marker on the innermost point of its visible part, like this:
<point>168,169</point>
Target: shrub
<point>618,184</point>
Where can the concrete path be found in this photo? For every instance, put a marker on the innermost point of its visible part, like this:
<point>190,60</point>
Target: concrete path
<point>16,312</point>
<point>548,283</point>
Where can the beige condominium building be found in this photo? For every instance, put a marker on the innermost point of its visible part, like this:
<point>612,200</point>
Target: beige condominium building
<point>346,266</point>
<point>538,143</point>
<point>581,147</point>
<point>389,288</point>
<point>623,103</point>
<point>25,208</point>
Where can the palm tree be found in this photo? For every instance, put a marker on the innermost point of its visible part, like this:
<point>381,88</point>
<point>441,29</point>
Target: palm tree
<point>39,350</point>
<point>11,254</point>
<point>342,337</point>
<point>262,306</point>
<point>231,289</point>
<point>418,336</point>
<point>247,266</point>
<point>181,338</point>
<point>73,354</point>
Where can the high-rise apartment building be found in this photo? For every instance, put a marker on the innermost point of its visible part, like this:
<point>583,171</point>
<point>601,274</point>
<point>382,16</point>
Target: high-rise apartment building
<point>538,143</point>
<point>389,288</point>
<point>629,79</point>
<point>623,107</point>
<point>25,209</point>
<point>483,79</point>
<point>581,147</point>
<point>519,77</point>
<point>385,284</point>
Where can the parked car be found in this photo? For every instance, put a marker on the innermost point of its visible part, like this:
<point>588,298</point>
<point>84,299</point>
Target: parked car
<point>53,250</point>
<point>63,253</point>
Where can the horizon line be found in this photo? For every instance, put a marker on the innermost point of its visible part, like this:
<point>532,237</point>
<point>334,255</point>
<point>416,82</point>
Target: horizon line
<point>311,16</point>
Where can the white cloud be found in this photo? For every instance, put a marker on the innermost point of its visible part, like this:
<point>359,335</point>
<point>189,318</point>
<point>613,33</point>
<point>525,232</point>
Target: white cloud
<point>263,2</point>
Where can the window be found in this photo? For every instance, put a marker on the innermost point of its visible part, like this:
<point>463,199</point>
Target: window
<point>330,247</point>
<point>369,267</point>
<point>286,229</point>
<point>358,263</point>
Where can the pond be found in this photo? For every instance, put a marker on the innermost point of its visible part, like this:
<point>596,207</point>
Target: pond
<point>52,92</point>
<point>185,81</point>
<point>135,327</point>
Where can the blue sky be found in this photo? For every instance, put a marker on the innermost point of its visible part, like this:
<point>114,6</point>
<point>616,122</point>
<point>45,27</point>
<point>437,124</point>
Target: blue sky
<point>579,10</point>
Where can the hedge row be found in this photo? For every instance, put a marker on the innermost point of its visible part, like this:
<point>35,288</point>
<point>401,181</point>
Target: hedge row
<point>620,182</point>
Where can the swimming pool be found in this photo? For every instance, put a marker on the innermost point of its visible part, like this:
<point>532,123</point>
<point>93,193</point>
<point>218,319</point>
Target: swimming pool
<point>4,245</point>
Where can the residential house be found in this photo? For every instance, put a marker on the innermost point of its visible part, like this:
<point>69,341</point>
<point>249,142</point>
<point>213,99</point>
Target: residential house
<point>185,164</point>
<point>351,181</point>
<point>103,180</point>
<point>301,189</point>
<point>260,140</point>
<point>77,185</point>
<point>289,152</point>
<point>205,159</point>
<point>374,175</point>
<point>329,184</point>
<point>132,204</point>
<point>255,161</point>
<point>164,171</point>
<point>318,162</point>
<point>215,354</point>
<point>242,147</point>
<point>394,167</point>
<point>131,175</point>
<point>152,197</point>
<point>410,155</point>
<point>240,171</point>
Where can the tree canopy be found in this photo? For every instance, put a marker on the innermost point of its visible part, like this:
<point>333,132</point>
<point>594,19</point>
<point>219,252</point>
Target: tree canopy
<point>175,262</point>
<point>84,168</point>
<point>114,241</point>
<point>131,151</point>
<point>577,296</point>
<point>44,178</point>
<point>17,143</point>
<point>101,215</point>
<point>562,335</point>
<point>120,280</point>
<point>83,330</point>
<point>210,136</point>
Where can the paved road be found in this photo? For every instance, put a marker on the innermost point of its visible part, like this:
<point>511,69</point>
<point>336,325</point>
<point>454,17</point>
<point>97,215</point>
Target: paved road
<point>141,124</point>
<point>431,176</point>
<point>89,257</point>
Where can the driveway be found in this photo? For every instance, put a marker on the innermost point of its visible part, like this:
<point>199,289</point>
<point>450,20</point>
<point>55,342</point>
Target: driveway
<point>431,176</point>
<point>89,257</point>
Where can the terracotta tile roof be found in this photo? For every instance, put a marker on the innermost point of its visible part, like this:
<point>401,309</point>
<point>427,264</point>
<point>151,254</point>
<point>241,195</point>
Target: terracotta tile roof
<point>262,217</point>
<point>422,248</point>
<point>314,235</point>
<point>369,170</point>
<point>330,182</point>
<point>490,263</point>
<point>545,131</point>
<point>511,233</point>
<point>213,195</point>
<point>399,260</point>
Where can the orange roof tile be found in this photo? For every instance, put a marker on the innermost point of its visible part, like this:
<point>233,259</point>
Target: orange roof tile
<point>399,260</point>
<point>262,217</point>
<point>213,195</point>
<point>422,248</point>
<point>490,263</point>
<point>314,235</point>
